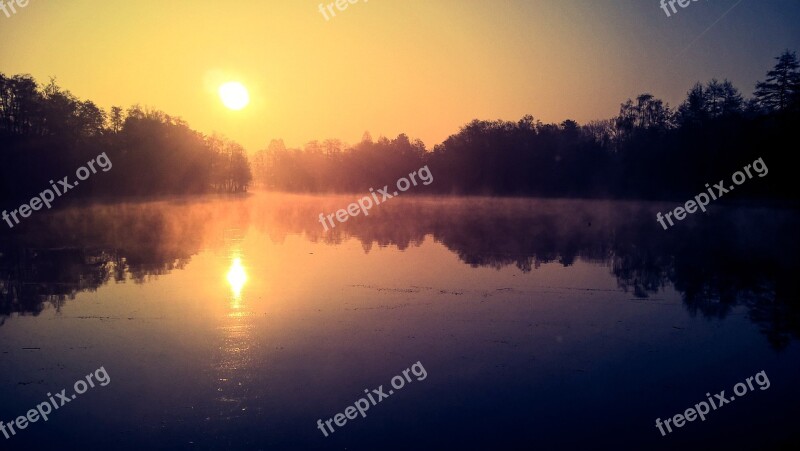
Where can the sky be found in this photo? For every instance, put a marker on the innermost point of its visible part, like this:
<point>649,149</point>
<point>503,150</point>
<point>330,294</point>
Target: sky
<point>420,67</point>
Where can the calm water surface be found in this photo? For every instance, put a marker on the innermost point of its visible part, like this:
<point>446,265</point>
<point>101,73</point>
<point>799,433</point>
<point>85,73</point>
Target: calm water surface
<point>237,323</point>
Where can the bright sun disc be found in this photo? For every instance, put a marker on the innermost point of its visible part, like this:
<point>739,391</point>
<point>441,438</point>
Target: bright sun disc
<point>234,95</point>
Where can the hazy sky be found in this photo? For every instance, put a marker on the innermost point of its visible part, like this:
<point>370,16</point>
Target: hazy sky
<point>422,67</point>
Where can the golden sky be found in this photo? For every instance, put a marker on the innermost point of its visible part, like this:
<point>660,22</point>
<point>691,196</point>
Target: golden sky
<point>421,67</point>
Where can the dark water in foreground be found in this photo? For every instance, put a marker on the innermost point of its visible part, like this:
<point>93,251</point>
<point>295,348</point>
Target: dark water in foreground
<point>541,324</point>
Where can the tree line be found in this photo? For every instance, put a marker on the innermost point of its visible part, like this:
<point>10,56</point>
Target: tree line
<point>649,150</point>
<point>46,132</point>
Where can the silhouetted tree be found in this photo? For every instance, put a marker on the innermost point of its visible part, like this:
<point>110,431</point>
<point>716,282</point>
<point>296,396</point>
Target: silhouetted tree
<point>694,110</point>
<point>648,113</point>
<point>715,100</point>
<point>116,119</point>
<point>726,100</point>
<point>782,86</point>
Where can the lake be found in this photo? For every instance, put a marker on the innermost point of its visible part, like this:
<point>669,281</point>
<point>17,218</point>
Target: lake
<point>238,323</point>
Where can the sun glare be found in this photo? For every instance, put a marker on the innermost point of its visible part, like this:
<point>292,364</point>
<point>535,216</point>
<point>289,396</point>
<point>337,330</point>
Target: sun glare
<point>234,95</point>
<point>237,277</point>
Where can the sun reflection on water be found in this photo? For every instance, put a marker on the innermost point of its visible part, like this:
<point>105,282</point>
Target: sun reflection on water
<point>237,277</point>
<point>233,359</point>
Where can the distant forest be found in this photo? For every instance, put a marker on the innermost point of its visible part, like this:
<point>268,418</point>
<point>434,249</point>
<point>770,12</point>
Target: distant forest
<point>46,133</point>
<point>648,151</point>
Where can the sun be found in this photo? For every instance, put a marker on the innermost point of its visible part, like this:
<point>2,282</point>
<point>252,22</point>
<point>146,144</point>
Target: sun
<point>234,95</point>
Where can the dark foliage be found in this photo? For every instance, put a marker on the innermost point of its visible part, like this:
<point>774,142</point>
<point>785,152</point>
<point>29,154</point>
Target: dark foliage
<point>46,133</point>
<point>649,151</point>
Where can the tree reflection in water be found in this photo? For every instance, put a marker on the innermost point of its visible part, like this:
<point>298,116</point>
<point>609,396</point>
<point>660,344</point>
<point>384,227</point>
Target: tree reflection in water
<point>729,257</point>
